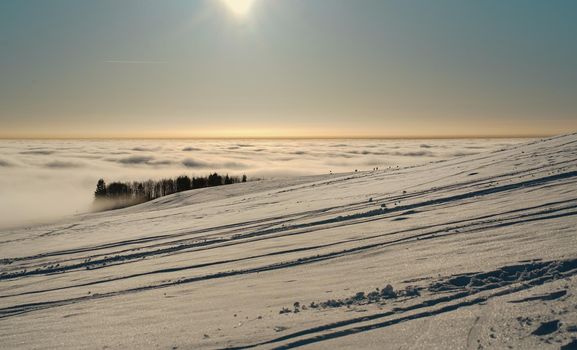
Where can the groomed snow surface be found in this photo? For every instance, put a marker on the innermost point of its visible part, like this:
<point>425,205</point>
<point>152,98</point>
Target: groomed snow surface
<point>480,252</point>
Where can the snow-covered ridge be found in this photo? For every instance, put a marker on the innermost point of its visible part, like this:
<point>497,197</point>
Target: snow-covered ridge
<point>487,241</point>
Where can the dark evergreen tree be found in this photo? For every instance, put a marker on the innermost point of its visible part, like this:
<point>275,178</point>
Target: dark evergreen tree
<point>118,189</point>
<point>183,183</point>
<point>199,182</point>
<point>214,180</point>
<point>100,189</point>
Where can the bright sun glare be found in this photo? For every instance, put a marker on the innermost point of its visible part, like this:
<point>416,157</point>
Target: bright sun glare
<point>239,7</point>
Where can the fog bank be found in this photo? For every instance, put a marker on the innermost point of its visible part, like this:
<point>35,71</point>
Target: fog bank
<point>43,180</point>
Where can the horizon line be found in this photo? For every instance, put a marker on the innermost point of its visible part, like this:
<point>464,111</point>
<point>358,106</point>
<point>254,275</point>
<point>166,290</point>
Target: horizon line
<point>376,137</point>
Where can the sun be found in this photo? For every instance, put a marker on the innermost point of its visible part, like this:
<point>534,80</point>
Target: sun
<point>240,8</point>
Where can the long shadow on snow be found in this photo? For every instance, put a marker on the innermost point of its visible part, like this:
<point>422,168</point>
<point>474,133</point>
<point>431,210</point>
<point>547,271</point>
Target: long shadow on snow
<point>110,261</point>
<point>25,308</point>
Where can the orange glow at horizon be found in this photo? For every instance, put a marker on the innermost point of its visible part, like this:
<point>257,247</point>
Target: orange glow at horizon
<point>258,133</point>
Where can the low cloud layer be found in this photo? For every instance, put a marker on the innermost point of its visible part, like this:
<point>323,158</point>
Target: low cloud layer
<point>38,152</point>
<point>142,160</point>
<point>4,163</point>
<point>194,164</point>
<point>135,160</point>
<point>35,174</point>
<point>58,164</point>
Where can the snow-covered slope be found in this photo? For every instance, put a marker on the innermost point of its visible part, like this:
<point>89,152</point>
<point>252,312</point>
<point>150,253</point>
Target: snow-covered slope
<point>481,252</point>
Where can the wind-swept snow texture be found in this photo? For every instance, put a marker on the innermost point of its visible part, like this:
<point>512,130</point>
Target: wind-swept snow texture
<point>480,252</point>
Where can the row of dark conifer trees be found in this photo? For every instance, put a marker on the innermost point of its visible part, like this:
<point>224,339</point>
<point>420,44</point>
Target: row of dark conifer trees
<point>148,190</point>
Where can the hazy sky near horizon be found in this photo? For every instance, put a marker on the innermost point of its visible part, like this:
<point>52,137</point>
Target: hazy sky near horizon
<point>333,68</point>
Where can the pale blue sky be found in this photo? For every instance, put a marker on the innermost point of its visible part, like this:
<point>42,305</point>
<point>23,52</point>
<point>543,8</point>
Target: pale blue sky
<point>141,68</point>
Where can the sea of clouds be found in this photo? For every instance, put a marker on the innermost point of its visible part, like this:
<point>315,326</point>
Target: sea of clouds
<point>43,180</point>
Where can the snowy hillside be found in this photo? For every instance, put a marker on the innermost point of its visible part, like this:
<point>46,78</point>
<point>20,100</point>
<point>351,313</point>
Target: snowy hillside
<point>480,251</point>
